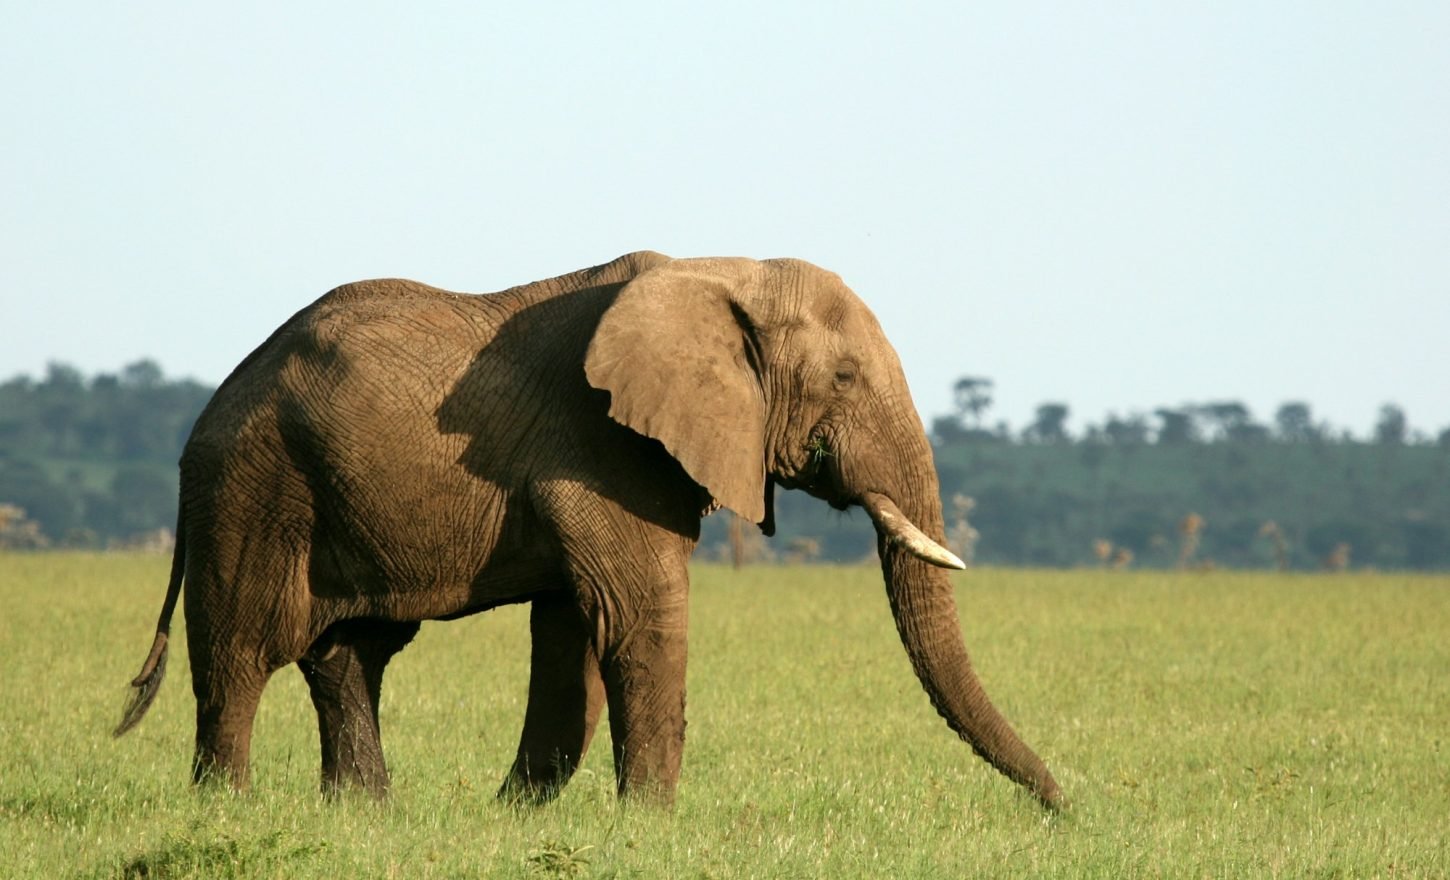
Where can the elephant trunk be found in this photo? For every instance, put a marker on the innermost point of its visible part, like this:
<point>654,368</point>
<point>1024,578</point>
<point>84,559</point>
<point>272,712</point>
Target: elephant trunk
<point>926,618</point>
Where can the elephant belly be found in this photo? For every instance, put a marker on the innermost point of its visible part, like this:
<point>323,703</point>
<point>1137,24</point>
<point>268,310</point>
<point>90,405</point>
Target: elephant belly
<point>425,543</point>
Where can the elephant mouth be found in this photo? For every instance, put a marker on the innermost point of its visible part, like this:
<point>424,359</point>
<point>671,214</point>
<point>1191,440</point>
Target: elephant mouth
<point>819,482</point>
<point>818,474</point>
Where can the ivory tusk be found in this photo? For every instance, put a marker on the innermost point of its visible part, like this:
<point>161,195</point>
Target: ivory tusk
<point>891,522</point>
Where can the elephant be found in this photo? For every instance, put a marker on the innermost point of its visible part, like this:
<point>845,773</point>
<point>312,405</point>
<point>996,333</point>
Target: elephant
<point>396,453</point>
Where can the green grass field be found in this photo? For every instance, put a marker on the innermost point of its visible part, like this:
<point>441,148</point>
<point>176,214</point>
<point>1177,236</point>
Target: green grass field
<point>1204,725</point>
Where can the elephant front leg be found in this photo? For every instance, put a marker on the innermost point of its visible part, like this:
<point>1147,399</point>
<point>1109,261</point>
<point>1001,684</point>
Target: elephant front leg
<point>344,673</point>
<point>644,679</point>
<point>566,695</point>
<point>630,575</point>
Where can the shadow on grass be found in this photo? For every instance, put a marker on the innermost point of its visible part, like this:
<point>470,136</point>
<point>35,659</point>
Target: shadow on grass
<point>189,855</point>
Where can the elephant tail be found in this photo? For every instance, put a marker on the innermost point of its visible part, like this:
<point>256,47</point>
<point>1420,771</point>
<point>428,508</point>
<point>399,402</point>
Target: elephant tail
<point>153,671</point>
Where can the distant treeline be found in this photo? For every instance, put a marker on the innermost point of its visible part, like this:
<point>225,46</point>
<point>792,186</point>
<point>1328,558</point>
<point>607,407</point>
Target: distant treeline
<point>92,463</point>
<point>1224,421</point>
<point>1196,485</point>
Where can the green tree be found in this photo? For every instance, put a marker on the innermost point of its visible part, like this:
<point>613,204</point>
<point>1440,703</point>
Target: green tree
<point>1050,424</point>
<point>1130,431</point>
<point>26,485</point>
<point>973,397</point>
<point>947,429</point>
<point>1176,427</point>
<point>1223,417</point>
<point>1294,423</point>
<point>142,374</point>
<point>147,500</point>
<point>1392,426</point>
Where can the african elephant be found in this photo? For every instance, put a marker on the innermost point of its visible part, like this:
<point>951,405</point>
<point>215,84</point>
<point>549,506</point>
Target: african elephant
<point>396,453</point>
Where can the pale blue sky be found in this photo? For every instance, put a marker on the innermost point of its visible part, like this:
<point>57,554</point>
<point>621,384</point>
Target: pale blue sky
<point>1117,206</point>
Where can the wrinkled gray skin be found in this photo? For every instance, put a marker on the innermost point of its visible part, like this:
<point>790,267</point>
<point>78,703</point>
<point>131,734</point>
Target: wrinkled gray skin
<point>396,453</point>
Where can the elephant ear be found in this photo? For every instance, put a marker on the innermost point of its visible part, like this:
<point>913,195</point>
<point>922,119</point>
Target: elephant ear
<point>679,355</point>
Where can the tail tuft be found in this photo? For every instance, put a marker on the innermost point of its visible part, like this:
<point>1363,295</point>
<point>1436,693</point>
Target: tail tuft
<point>153,671</point>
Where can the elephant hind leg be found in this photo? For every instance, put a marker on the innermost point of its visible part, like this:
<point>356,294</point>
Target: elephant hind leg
<point>344,672</point>
<point>566,695</point>
<point>224,719</point>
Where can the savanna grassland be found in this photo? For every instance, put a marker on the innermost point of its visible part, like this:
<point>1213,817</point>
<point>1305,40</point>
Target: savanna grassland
<point>1204,724</point>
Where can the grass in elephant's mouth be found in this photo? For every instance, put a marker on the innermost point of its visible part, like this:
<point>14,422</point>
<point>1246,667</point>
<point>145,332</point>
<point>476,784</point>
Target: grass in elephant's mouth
<point>1203,724</point>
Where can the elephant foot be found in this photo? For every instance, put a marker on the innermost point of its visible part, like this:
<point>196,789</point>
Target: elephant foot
<point>353,760</point>
<point>521,789</point>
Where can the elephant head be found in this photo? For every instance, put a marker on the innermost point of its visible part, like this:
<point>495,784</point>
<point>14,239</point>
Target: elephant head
<point>752,373</point>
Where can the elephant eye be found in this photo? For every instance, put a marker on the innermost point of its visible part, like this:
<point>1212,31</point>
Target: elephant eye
<point>845,375</point>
